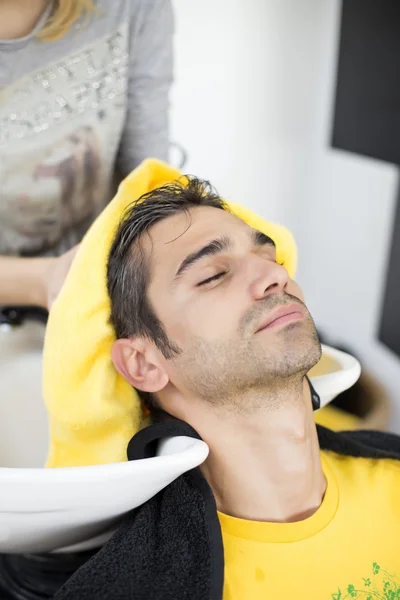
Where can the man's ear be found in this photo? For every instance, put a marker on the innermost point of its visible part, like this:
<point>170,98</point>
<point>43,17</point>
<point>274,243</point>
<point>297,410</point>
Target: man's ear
<point>138,363</point>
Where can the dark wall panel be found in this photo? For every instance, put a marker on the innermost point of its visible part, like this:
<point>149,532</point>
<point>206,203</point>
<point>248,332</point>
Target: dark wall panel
<point>366,116</point>
<point>389,332</point>
<point>367,108</point>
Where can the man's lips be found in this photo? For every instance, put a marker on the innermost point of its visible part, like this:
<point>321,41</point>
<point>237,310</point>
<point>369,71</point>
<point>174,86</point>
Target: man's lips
<point>282,316</point>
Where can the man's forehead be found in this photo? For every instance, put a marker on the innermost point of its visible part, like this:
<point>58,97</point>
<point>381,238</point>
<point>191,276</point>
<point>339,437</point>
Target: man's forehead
<point>181,231</point>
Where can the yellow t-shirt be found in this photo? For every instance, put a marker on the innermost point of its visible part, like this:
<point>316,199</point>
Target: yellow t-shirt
<point>349,548</point>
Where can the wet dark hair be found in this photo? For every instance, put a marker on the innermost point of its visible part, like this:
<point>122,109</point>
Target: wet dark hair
<point>128,272</point>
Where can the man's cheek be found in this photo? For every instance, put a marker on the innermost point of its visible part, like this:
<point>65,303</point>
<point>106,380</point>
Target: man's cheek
<point>295,290</point>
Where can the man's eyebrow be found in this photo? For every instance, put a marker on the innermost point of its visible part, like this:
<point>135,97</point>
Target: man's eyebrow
<point>260,239</point>
<point>214,247</point>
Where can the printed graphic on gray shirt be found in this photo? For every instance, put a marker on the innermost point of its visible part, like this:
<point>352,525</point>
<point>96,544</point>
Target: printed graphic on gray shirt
<point>60,129</point>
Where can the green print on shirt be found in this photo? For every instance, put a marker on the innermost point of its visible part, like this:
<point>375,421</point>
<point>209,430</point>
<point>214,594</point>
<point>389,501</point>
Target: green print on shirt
<point>380,585</point>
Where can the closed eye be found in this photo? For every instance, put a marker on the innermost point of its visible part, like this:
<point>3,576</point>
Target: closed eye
<point>211,279</point>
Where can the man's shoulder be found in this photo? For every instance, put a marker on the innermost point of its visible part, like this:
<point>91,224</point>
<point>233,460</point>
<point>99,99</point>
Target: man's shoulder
<point>362,443</point>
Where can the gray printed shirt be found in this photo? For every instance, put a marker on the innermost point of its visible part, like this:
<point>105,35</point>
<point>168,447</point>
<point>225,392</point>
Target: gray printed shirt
<point>73,113</point>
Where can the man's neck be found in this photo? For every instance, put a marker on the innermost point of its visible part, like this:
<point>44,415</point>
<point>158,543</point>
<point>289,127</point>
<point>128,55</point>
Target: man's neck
<point>265,466</point>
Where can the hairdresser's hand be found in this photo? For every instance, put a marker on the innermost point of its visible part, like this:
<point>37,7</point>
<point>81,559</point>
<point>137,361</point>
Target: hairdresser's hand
<point>54,276</point>
<point>33,281</point>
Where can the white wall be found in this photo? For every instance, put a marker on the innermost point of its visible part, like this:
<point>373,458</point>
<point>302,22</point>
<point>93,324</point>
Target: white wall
<point>252,104</point>
<point>233,101</point>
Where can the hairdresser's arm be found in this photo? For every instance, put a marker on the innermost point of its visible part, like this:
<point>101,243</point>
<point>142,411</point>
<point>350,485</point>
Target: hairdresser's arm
<point>33,281</point>
<point>146,132</point>
<point>22,280</point>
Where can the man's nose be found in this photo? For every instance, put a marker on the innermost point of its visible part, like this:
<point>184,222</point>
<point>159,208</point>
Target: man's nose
<point>267,278</point>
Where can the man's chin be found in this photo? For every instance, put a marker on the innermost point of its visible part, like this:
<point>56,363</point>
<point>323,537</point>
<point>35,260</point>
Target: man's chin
<point>295,349</point>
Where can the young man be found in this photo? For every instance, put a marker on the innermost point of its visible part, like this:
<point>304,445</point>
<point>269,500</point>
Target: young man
<point>215,335</point>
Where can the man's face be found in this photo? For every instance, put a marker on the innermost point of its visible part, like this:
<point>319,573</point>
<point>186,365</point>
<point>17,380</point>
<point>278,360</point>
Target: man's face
<point>218,291</point>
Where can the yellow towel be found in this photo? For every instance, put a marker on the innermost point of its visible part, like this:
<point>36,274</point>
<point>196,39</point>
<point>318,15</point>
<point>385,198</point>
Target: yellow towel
<point>93,411</point>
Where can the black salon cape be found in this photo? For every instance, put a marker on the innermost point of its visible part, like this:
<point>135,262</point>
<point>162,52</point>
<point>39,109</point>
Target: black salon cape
<point>171,547</point>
